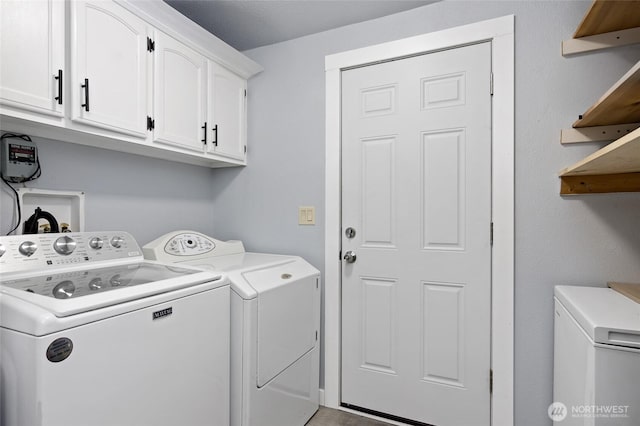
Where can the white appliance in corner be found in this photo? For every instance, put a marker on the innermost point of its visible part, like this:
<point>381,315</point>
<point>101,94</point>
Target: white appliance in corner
<point>275,321</point>
<point>93,334</point>
<point>596,358</point>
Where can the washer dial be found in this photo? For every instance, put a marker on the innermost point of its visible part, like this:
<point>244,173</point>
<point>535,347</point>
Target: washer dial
<point>117,241</point>
<point>64,245</point>
<point>27,248</point>
<point>96,243</point>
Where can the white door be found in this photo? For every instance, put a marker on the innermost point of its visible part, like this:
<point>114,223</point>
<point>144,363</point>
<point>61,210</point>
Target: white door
<point>32,72</point>
<point>227,112</point>
<point>179,94</point>
<point>109,48</point>
<point>416,191</point>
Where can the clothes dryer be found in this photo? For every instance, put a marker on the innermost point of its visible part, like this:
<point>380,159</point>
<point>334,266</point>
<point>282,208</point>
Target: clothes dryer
<point>275,323</point>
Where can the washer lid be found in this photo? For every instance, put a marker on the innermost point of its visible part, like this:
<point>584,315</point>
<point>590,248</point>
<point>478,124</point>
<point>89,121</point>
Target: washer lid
<point>607,316</point>
<point>74,291</point>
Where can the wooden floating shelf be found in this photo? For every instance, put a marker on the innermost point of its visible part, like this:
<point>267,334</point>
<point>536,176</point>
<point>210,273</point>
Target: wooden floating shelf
<point>599,184</point>
<point>614,168</point>
<point>620,105</point>
<point>608,23</point>
<point>605,16</point>
<point>621,156</point>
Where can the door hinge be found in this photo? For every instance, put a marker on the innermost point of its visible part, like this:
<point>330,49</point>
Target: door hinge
<point>245,93</point>
<point>151,45</point>
<point>316,335</point>
<point>245,149</point>
<point>491,234</point>
<point>151,123</point>
<point>491,381</point>
<point>491,84</point>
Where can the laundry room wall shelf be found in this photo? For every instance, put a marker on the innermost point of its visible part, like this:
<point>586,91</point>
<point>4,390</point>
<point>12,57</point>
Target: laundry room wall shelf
<point>616,115</point>
<point>606,24</point>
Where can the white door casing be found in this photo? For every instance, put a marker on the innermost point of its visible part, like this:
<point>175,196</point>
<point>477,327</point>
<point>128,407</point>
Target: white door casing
<point>416,176</point>
<point>109,55</point>
<point>500,33</point>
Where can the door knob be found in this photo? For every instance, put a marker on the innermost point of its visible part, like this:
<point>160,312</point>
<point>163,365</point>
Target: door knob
<point>350,257</point>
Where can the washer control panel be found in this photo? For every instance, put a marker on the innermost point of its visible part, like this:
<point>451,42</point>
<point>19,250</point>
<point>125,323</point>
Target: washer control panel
<point>32,252</point>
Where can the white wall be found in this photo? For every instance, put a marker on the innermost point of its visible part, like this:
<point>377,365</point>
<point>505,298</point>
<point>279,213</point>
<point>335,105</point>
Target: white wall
<point>583,240</point>
<point>144,196</point>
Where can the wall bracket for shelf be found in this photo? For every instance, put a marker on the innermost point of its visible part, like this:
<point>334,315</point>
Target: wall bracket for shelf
<point>596,133</point>
<point>601,41</point>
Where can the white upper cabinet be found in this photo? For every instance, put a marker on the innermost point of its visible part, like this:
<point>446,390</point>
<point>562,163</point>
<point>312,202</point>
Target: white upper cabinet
<point>32,72</point>
<point>139,78</point>
<point>227,112</point>
<point>109,57</point>
<point>179,94</point>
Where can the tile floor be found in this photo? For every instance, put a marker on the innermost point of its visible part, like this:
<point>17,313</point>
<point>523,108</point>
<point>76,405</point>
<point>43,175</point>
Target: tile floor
<point>330,417</point>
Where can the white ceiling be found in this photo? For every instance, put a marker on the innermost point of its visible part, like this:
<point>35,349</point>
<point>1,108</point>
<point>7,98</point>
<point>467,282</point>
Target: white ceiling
<point>246,24</point>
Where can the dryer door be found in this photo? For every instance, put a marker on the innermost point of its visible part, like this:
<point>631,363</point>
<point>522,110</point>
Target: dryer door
<point>288,316</point>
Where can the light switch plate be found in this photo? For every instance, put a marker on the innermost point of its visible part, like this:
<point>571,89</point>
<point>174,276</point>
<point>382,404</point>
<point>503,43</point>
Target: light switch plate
<point>306,215</point>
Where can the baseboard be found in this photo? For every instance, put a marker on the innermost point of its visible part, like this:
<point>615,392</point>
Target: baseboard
<point>321,397</point>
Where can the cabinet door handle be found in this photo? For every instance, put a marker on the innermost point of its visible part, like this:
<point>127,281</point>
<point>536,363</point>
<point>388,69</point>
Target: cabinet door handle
<point>215,141</point>
<point>59,78</point>
<point>86,94</point>
<point>204,141</point>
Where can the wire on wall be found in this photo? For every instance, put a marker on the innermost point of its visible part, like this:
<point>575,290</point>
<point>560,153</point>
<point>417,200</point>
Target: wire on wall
<point>35,175</point>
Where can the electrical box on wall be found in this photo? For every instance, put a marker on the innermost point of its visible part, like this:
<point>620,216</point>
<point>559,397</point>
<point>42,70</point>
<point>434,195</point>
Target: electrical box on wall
<point>66,206</point>
<point>19,158</point>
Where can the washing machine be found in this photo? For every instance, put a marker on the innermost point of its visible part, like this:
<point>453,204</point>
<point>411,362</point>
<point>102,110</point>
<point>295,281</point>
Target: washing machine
<point>93,334</point>
<point>596,358</point>
<point>275,321</point>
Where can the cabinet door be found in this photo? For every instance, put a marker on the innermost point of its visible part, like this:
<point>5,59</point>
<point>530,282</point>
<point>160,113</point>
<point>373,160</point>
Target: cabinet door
<point>179,94</point>
<point>32,55</point>
<point>227,112</point>
<point>109,48</point>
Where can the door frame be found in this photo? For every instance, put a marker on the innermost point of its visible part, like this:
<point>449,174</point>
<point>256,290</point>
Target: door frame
<point>500,32</point>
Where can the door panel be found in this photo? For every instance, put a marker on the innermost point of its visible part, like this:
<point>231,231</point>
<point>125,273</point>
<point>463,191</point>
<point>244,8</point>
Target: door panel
<point>32,35</point>
<point>110,52</point>
<point>416,179</point>
<point>179,95</point>
<point>227,112</point>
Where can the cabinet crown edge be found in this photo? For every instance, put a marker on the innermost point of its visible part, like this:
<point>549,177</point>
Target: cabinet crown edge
<point>165,18</point>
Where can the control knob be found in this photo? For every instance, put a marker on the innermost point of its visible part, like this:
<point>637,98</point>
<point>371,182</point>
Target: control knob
<point>96,243</point>
<point>64,245</point>
<point>117,241</point>
<point>27,248</point>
